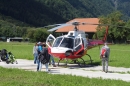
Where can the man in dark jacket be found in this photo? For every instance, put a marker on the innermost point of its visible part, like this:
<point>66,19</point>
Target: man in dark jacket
<point>44,58</point>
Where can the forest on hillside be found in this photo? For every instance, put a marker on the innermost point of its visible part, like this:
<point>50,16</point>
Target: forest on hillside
<point>39,13</point>
<point>17,16</point>
<point>43,12</point>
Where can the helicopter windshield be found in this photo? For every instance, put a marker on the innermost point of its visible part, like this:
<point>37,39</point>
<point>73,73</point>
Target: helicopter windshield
<point>64,42</point>
<point>57,42</point>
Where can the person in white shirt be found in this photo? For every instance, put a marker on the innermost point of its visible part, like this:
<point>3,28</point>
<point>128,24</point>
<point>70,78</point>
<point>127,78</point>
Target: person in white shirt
<point>35,53</point>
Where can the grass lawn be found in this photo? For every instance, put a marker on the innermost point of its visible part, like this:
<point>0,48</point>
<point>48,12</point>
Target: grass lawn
<point>20,50</point>
<point>17,77</point>
<point>119,54</point>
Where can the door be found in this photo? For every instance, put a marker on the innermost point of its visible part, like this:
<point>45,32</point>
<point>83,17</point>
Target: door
<point>78,45</point>
<point>50,40</point>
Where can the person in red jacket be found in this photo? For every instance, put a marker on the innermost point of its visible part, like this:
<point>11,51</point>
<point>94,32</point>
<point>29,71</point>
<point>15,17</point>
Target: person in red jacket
<point>104,55</point>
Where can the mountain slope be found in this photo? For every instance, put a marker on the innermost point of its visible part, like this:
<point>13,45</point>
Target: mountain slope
<point>43,12</point>
<point>29,11</point>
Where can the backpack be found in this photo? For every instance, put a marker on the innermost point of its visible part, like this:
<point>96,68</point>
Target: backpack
<point>38,51</point>
<point>44,56</point>
<point>104,52</point>
<point>3,52</point>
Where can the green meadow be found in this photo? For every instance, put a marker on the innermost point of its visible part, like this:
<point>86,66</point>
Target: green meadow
<point>119,57</point>
<point>19,49</point>
<point>17,77</point>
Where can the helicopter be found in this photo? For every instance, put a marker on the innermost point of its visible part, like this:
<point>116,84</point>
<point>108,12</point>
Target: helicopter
<point>73,45</point>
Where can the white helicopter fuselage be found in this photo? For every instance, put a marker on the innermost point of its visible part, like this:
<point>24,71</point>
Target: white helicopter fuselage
<point>71,44</point>
<point>60,49</point>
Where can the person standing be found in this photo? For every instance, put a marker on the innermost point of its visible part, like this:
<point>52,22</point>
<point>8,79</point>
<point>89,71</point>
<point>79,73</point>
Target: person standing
<point>104,55</point>
<point>44,57</point>
<point>35,53</point>
<point>52,61</point>
<point>39,65</point>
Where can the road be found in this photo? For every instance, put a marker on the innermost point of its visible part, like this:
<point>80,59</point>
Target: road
<point>117,73</point>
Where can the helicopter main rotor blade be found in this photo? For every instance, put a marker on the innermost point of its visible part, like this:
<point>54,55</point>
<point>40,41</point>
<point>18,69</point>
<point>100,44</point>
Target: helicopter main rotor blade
<point>58,27</point>
<point>54,25</point>
<point>95,24</point>
<point>76,23</point>
<point>103,25</point>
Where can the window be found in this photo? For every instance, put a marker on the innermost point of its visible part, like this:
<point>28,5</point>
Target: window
<point>67,42</point>
<point>77,41</point>
<point>57,42</point>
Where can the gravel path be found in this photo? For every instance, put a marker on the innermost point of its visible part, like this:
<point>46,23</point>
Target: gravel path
<point>118,73</point>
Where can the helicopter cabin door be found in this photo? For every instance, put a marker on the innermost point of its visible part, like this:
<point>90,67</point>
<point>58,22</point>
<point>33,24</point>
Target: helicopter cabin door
<point>78,45</point>
<point>50,40</point>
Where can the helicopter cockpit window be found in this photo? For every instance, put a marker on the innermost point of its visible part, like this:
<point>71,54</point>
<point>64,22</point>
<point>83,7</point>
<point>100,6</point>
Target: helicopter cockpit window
<point>57,42</point>
<point>77,41</point>
<point>67,42</point>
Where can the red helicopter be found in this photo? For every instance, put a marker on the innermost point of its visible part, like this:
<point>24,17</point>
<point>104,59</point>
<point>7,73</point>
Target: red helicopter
<point>73,45</point>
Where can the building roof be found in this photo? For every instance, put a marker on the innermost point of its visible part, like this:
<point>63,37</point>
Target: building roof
<point>86,28</point>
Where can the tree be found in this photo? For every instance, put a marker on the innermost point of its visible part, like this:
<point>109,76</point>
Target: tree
<point>117,29</point>
<point>36,35</point>
<point>127,30</point>
<point>30,33</point>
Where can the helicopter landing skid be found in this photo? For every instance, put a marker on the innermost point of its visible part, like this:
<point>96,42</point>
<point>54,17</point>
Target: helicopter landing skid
<point>80,61</point>
<point>90,58</point>
<point>65,63</point>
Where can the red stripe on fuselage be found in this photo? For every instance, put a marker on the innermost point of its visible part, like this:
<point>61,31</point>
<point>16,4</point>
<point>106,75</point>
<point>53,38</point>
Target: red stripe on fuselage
<point>75,55</point>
